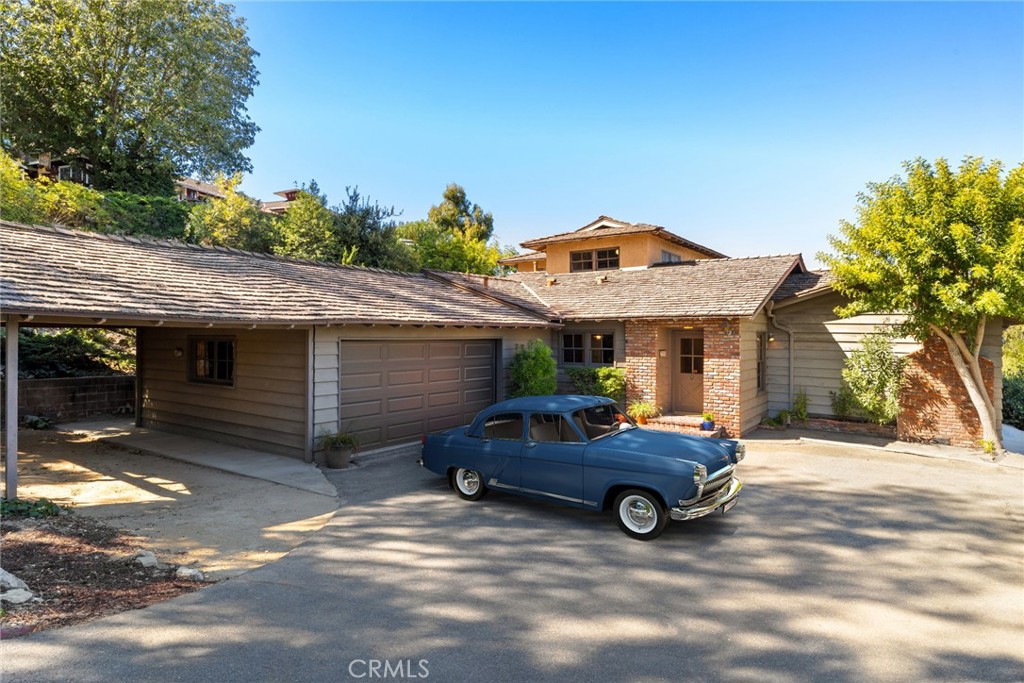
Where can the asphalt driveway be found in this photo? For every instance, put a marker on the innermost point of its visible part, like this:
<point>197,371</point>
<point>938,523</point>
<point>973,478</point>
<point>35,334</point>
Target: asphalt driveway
<point>838,564</point>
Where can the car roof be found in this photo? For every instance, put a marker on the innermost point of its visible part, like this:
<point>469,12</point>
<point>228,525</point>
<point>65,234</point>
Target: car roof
<point>554,404</point>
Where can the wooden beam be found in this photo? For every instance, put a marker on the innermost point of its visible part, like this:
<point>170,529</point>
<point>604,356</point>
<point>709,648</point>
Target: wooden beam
<point>11,412</point>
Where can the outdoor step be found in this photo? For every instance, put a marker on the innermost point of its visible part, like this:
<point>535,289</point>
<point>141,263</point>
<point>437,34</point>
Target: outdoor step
<point>681,420</point>
<point>663,426</point>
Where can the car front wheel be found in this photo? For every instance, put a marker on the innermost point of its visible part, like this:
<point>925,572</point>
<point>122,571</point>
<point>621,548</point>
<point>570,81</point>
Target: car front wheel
<point>640,514</point>
<point>469,484</point>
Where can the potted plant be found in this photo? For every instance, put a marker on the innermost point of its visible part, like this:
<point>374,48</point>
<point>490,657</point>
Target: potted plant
<point>709,421</point>
<point>641,411</point>
<point>338,448</point>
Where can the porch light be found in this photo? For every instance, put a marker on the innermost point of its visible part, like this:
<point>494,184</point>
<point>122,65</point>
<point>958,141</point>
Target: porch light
<point>771,337</point>
<point>597,336</point>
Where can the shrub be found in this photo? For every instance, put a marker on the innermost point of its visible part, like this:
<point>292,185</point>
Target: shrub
<point>799,411</point>
<point>874,374</point>
<point>532,371</point>
<point>1013,401</point>
<point>845,405</point>
<point>15,507</point>
<point>74,352</point>
<point>134,214</point>
<point>610,382</point>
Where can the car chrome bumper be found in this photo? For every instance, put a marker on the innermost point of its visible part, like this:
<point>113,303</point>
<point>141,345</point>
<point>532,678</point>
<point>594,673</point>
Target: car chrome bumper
<point>723,497</point>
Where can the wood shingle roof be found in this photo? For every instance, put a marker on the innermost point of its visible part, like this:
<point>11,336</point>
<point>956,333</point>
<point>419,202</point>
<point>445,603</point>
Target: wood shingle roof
<point>67,273</point>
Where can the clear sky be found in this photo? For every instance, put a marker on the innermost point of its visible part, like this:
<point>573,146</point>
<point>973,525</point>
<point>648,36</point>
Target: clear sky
<point>747,127</point>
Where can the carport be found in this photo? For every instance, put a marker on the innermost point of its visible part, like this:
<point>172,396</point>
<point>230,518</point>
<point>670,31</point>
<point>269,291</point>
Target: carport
<point>252,350</point>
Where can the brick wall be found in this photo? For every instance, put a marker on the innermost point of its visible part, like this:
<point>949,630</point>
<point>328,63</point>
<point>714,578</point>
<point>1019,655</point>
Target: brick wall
<point>934,405</point>
<point>721,368</point>
<point>641,361</point>
<point>722,374</point>
<point>74,398</point>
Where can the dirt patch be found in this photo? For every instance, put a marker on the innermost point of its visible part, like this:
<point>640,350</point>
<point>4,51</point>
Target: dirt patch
<point>79,569</point>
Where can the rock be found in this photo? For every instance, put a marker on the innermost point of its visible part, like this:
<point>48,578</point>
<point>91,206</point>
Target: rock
<point>189,574</point>
<point>147,559</point>
<point>16,596</point>
<point>9,581</point>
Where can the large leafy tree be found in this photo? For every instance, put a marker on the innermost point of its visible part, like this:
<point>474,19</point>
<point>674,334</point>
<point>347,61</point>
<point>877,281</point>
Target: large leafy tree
<point>234,220</point>
<point>945,247</point>
<point>307,229</point>
<point>439,249</point>
<point>142,89</point>
<point>455,213</point>
<point>367,230</point>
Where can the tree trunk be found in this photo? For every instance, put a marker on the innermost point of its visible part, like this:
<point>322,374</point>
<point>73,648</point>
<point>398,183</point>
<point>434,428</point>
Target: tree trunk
<point>969,368</point>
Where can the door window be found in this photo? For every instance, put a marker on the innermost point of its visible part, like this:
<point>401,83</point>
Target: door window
<point>551,427</point>
<point>691,356</point>
<point>504,426</point>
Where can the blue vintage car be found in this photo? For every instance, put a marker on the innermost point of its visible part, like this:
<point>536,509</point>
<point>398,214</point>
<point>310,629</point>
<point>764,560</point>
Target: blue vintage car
<point>583,451</point>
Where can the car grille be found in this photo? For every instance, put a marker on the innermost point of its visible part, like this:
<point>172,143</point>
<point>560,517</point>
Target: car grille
<point>714,487</point>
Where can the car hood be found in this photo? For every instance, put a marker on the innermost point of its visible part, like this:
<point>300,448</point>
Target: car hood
<point>712,453</point>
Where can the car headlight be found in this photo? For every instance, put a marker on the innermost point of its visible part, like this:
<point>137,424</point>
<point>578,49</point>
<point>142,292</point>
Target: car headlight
<point>700,475</point>
<point>741,451</point>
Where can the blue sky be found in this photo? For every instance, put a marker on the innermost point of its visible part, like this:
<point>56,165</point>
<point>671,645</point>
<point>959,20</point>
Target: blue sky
<point>748,127</point>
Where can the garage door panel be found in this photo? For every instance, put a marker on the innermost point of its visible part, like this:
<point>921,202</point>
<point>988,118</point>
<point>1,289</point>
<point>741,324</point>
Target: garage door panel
<point>394,391</point>
<point>405,351</point>
<point>361,353</point>
<point>445,350</point>
<point>362,380</point>
<point>444,375</point>
<point>398,404</point>
<point>361,409</point>
<point>397,378</point>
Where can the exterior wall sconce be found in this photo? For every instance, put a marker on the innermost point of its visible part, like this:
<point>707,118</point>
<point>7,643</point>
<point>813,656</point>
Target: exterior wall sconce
<point>179,352</point>
<point>771,337</point>
<point>662,353</point>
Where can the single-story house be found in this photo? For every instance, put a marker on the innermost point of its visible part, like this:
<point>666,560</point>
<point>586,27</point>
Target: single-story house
<point>269,352</point>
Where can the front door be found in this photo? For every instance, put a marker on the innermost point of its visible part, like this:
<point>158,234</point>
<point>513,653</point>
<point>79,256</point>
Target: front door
<point>688,371</point>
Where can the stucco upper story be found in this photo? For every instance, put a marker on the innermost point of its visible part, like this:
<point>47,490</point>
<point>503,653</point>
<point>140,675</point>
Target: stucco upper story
<point>607,244</point>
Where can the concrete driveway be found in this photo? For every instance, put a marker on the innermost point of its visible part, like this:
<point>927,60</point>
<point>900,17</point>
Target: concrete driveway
<point>838,565</point>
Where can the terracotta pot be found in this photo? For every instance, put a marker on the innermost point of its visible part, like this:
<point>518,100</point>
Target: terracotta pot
<point>338,458</point>
<point>641,420</point>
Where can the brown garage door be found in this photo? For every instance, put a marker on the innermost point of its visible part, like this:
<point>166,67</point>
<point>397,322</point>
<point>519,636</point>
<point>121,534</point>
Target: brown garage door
<point>393,392</point>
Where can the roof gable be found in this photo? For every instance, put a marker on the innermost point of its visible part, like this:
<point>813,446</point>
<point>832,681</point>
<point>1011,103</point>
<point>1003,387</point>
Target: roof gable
<point>606,226</point>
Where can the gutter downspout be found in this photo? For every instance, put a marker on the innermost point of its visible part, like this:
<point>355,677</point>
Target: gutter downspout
<point>789,347</point>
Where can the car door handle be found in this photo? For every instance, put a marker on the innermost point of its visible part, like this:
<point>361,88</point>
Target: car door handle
<point>531,444</point>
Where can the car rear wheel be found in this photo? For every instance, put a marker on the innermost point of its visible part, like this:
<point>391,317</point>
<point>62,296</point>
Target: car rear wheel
<point>469,484</point>
<point>640,514</point>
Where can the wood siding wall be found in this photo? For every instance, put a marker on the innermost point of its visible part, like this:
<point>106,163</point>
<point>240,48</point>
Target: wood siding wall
<point>326,359</point>
<point>753,402</point>
<point>634,250</point>
<point>822,342</point>
<point>265,409</point>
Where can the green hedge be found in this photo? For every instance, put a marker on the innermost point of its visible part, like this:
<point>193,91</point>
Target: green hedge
<point>1013,401</point>
<point>610,382</point>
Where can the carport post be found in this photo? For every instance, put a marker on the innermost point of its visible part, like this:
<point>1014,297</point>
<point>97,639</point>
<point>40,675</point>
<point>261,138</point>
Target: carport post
<point>11,411</point>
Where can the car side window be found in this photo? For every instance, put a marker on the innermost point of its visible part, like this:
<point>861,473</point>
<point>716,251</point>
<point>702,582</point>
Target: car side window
<point>551,428</point>
<point>504,426</point>
<point>600,420</point>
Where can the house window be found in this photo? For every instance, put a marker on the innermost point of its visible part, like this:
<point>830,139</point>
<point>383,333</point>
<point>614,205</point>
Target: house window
<point>669,257</point>
<point>602,349</point>
<point>607,259</point>
<point>762,353</point>
<point>596,348</point>
<point>73,174</point>
<point>580,261</point>
<point>599,259</point>
<point>212,360</point>
<point>572,349</point>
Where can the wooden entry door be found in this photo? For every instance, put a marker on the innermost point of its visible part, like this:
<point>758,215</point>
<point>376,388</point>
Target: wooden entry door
<point>688,371</point>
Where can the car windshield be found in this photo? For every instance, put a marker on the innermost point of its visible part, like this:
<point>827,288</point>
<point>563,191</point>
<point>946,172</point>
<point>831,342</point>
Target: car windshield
<point>600,421</point>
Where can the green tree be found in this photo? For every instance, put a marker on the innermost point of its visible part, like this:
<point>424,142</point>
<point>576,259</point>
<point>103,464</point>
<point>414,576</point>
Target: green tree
<point>307,228</point>
<point>455,214</point>
<point>945,248</point>
<point>18,200</point>
<point>143,89</point>
<point>234,220</point>
<point>368,232</point>
<point>439,249</point>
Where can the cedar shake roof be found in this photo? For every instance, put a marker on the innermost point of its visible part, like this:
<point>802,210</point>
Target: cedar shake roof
<point>704,288</point>
<point>610,227</point>
<point>804,284</point>
<point>523,258</point>
<point>66,273</point>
